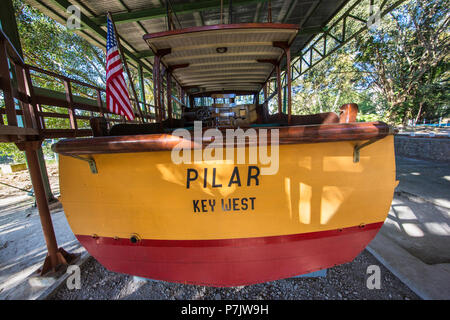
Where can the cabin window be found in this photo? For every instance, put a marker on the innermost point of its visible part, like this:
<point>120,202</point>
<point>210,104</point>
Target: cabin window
<point>204,102</point>
<point>247,99</point>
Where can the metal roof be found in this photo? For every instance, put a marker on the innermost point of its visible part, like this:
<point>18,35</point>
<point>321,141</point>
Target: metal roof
<point>134,18</point>
<point>230,57</point>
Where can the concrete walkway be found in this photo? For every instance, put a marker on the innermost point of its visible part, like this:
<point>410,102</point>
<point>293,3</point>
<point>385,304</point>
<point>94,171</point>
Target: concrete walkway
<point>414,242</point>
<point>23,249</point>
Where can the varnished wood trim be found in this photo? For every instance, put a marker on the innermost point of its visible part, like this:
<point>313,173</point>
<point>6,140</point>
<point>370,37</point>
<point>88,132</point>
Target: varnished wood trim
<point>166,142</point>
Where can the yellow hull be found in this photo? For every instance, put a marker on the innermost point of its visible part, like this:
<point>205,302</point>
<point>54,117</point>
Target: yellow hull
<point>318,187</point>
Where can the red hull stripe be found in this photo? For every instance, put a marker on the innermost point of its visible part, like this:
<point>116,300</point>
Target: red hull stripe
<point>231,262</point>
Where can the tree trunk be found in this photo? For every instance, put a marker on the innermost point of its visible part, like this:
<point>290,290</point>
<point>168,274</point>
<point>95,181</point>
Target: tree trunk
<point>418,113</point>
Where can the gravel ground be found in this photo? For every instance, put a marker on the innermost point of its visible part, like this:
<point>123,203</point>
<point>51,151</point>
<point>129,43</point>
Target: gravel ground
<point>344,282</point>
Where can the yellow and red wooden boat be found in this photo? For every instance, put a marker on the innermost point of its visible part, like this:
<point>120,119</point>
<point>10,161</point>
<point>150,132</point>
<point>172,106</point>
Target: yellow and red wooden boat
<point>219,222</point>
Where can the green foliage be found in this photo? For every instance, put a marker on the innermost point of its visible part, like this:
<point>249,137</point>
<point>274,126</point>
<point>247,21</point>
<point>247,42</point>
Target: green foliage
<point>330,84</point>
<point>406,60</point>
<point>9,151</point>
<point>50,46</point>
<point>369,117</point>
<point>395,73</point>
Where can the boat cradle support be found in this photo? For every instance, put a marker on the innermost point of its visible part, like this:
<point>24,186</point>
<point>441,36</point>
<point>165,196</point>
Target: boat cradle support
<point>56,257</point>
<point>90,161</point>
<point>358,147</point>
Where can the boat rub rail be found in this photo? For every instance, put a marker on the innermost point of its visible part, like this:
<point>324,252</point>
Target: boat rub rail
<point>166,142</point>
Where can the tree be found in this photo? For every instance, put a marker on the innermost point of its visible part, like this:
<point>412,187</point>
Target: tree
<point>50,46</point>
<point>404,58</point>
<point>330,84</point>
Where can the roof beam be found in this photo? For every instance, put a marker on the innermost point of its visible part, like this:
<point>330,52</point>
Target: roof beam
<point>311,10</point>
<point>128,9</point>
<point>284,9</point>
<point>258,8</point>
<point>181,8</point>
<point>145,54</point>
<point>290,10</point>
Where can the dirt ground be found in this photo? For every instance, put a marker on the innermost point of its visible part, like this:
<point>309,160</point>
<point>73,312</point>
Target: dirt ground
<point>344,282</point>
<point>21,179</point>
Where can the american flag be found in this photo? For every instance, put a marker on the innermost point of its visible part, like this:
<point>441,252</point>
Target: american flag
<point>117,98</point>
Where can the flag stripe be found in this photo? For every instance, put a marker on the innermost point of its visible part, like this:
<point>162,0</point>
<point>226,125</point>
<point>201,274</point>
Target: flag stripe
<point>118,93</point>
<point>111,61</point>
<point>118,100</point>
<point>121,91</point>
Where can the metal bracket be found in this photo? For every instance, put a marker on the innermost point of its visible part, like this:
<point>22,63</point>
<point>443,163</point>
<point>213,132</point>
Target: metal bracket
<point>359,147</point>
<point>90,161</point>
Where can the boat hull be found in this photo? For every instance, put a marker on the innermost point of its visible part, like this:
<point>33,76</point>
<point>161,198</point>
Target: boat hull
<point>236,262</point>
<point>140,215</point>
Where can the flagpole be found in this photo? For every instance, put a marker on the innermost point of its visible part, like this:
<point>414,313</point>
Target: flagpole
<point>124,61</point>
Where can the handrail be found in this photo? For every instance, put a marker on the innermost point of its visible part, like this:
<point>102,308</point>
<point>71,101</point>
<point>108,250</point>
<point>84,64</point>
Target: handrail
<point>25,104</point>
<point>11,49</point>
<point>65,78</point>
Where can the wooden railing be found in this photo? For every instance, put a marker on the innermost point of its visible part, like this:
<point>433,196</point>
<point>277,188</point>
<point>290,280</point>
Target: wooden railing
<point>27,108</point>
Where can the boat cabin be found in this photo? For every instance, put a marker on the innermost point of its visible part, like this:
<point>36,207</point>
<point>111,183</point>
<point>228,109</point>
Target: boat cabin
<point>215,67</point>
<point>215,223</point>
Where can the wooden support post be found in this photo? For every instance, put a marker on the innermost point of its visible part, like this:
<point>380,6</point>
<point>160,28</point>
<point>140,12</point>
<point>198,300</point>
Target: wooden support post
<point>99,126</point>
<point>269,12</point>
<point>142,87</point>
<point>183,96</point>
<point>71,110</point>
<point>287,50</point>
<point>230,11</point>
<point>41,118</point>
<point>7,87</point>
<point>156,91</point>
<point>279,88</point>
<point>169,97</point>
<point>256,99</point>
<point>221,11</point>
<point>55,256</point>
<point>26,108</point>
<point>265,91</point>
<point>100,102</point>
<point>158,83</point>
<point>44,175</point>
<point>28,87</point>
<point>163,107</point>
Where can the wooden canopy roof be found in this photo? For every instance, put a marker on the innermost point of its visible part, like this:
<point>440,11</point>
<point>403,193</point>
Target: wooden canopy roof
<point>135,18</point>
<point>222,58</point>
